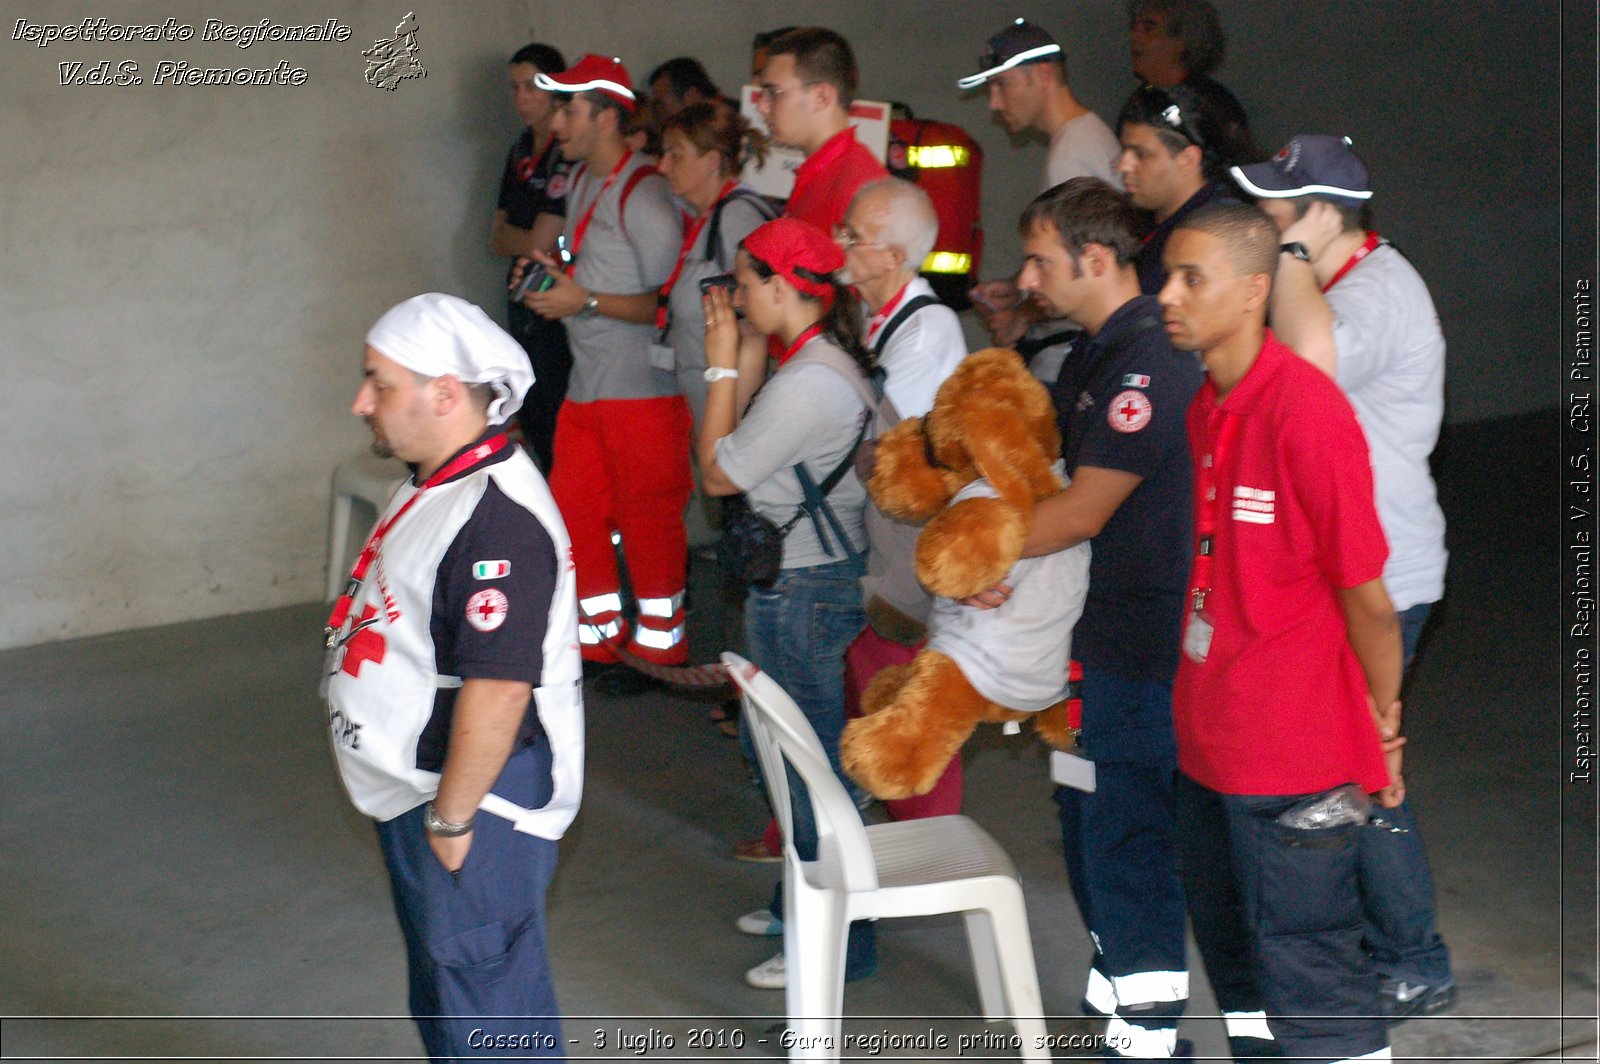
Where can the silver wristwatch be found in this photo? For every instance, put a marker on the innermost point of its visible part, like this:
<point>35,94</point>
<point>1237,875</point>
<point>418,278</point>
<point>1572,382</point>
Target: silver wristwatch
<point>443,828</point>
<point>591,306</point>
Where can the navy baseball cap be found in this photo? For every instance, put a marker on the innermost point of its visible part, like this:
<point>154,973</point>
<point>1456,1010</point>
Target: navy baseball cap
<point>1310,164</point>
<point>1019,43</point>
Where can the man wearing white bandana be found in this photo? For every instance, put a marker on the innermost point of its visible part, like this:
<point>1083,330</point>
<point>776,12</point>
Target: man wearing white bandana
<point>453,679</point>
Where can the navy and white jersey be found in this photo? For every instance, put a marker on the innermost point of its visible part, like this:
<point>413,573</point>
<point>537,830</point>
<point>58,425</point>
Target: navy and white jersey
<point>474,581</point>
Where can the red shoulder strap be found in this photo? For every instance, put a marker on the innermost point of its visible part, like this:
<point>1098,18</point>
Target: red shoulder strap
<point>627,190</point>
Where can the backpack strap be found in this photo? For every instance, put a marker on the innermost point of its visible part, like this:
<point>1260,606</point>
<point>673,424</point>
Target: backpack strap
<point>899,319</point>
<point>714,226</point>
<point>628,186</point>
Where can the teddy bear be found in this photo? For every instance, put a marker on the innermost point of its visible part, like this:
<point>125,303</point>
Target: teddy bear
<point>972,470</point>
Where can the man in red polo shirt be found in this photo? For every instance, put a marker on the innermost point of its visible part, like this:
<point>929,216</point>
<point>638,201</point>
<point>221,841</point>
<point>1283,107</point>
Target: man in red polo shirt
<point>1289,645</point>
<point>807,86</point>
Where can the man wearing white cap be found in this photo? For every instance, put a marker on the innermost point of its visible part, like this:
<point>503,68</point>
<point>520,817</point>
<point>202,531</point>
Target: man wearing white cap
<point>1025,72</point>
<point>622,437</point>
<point>453,678</point>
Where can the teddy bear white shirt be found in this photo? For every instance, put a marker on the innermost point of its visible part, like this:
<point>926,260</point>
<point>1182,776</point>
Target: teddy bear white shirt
<point>1018,654</point>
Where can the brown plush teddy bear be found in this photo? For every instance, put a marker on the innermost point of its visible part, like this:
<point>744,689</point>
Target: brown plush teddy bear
<point>972,469</point>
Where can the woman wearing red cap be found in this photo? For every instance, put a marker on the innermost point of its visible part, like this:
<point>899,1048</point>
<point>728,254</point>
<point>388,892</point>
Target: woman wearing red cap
<point>809,415</point>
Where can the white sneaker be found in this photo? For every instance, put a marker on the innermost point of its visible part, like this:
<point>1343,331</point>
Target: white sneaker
<point>770,974</point>
<point>761,922</point>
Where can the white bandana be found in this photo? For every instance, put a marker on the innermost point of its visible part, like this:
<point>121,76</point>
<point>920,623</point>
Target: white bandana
<point>438,334</point>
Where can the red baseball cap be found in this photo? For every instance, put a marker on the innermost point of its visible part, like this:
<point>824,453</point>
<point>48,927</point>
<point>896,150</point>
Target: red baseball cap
<point>789,246</point>
<point>592,73</point>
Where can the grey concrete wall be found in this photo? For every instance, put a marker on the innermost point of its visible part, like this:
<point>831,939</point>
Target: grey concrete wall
<point>186,272</point>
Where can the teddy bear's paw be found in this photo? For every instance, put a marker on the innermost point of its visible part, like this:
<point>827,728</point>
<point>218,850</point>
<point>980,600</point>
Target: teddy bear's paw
<point>1050,724</point>
<point>970,547</point>
<point>884,688</point>
<point>878,754</point>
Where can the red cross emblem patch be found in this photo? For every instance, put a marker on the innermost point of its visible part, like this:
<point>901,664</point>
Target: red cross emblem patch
<point>1129,411</point>
<point>487,610</point>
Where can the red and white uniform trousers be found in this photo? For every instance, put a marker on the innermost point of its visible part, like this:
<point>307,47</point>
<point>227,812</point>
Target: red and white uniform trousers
<point>622,468</point>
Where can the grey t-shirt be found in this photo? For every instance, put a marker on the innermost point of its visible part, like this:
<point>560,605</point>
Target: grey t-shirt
<point>805,413</point>
<point>1391,367</point>
<point>1083,147</point>
<point>687,336</point>
<point>611,358</point>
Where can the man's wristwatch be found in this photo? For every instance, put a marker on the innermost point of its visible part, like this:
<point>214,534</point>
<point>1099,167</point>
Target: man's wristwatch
<point>591,306</point>
<point>1295,248</point>
<point>720,373</point>
<point>443,828</point>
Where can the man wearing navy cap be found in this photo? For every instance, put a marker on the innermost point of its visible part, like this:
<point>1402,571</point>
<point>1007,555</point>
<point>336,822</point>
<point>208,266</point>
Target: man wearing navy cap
<point>1350,303</point>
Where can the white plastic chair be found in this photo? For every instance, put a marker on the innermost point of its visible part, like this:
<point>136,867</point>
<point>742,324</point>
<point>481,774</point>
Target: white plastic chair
<point>911,868</point>
<point>371,479</point>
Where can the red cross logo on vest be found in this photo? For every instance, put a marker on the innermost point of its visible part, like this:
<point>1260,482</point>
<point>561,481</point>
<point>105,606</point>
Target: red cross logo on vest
<point>487,610</point>
<point>1129,411</point>
<point>363,645</point>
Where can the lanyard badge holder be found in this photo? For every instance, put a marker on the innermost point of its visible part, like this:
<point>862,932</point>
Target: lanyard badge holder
<point>1198,629</point>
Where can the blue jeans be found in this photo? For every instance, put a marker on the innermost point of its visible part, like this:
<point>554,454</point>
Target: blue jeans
<point>796,631</point>
<point>1118,845</point>
<point>475,940</point>
<point>1396,885</point>
<point>1277,917</point>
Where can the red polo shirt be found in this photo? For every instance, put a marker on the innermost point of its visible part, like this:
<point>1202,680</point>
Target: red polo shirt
<point>1279,705</point>
<point>828,180</point>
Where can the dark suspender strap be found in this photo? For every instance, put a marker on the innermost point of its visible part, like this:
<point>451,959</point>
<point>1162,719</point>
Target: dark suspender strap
<point>911,307</point>
<point>714,227</point>
<point>816,496</point>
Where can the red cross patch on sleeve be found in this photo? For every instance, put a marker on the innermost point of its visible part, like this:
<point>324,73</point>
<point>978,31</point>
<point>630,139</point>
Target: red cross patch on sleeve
<point>1129,411</point>
<point>487,609</point>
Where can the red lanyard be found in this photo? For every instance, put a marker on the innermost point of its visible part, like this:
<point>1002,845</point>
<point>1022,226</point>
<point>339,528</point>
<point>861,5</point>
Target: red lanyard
<point>588,215</point>
<point>1371,245</point>
<point>882,317</point>
<point>663,318</point>
<point>1219,445</point>
<point>460,464</point>
<point>800,341</point>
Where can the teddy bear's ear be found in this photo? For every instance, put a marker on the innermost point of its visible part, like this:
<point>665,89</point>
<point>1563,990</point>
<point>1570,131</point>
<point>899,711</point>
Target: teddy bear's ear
<point>1010,431</point>
<point>903,484</point>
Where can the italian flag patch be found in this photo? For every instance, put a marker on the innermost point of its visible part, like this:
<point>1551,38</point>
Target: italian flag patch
<point>491,570</point>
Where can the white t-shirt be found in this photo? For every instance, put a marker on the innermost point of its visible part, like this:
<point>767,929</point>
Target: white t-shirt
<point>1018,654</point>
<point>1391,367</point>
<point>924,350</point>
<point>1083,147</point>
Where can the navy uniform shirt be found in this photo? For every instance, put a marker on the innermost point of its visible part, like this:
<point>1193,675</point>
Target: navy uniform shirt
<point>485,623</point>
<point>1121,401</point>
<point>1152,271</point>
<point>533,186</point>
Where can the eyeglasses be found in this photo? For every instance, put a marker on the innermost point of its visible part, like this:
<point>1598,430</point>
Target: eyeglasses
<point>770,93</point>
<point>848,238</point>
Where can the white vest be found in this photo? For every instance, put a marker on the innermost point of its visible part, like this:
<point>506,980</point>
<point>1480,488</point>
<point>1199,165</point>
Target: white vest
<point>378,714</point>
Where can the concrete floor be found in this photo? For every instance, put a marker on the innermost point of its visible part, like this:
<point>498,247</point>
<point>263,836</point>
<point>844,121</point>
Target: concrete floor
<point>184,878</point>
